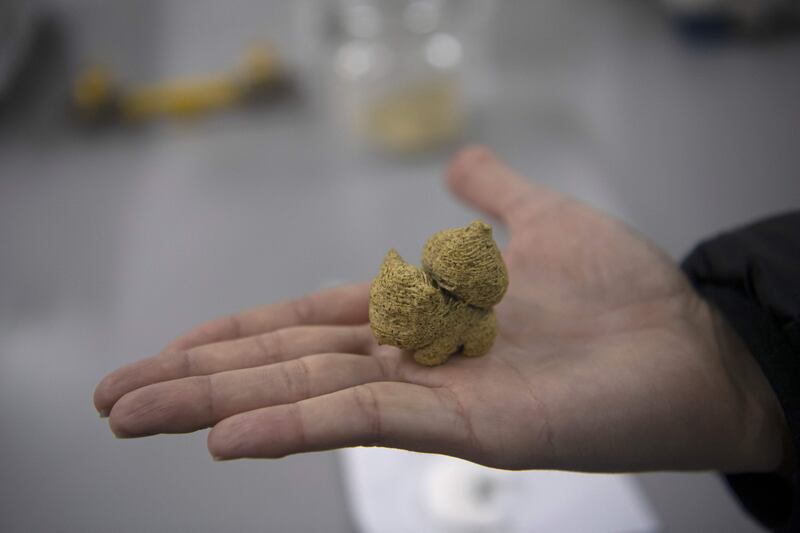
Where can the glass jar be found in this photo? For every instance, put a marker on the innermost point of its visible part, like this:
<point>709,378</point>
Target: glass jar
<point>398,73</point>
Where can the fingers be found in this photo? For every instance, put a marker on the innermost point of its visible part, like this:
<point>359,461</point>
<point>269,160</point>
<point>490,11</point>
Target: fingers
<point>341,305</point>
<point>398,415</point>
<point>476,176</point>
<point>198,402</point>
<point>248,352</point>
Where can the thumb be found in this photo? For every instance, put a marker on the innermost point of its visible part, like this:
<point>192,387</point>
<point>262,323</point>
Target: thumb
<point>477,177</point>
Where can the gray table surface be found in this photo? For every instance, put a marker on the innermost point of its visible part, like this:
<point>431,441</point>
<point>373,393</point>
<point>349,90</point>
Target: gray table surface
<point>112,243</point>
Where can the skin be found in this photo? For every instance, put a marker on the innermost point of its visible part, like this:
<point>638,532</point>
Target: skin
<point>605,360</point>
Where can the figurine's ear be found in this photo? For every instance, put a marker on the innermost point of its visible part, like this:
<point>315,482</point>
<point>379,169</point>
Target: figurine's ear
<point>393,257</point>
<point>480,226</point>
<point>392,260</point>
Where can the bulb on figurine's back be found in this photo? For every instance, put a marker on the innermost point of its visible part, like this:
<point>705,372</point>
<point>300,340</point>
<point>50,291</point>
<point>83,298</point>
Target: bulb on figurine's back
<point>467,263</point>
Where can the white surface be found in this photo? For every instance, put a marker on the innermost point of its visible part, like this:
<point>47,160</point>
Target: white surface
<point>393,491</point>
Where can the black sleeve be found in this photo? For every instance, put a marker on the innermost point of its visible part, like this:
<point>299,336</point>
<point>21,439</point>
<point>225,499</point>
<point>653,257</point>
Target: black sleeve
<point>752,275</point>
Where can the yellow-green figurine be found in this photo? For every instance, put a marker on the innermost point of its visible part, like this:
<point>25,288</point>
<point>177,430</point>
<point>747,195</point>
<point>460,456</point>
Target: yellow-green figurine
<point>446,306</point>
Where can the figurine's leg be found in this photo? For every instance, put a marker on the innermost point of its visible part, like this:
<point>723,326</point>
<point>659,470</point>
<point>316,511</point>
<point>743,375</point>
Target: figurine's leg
<point>437,352</point>
<point>479,338</point>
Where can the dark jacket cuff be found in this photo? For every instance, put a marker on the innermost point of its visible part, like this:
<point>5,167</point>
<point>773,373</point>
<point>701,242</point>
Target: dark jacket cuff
<point>771,498</point>
<point>752,276</point>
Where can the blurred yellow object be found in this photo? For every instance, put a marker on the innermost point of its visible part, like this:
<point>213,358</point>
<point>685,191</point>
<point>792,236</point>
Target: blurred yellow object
<point>261,65</point>
<point>180,98</point>
<point>415,118</point>
<point>95,95</point>
<point>92,89</point>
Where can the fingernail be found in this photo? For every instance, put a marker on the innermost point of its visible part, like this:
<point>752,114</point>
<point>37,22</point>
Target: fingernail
<point>103,413</point>
<point>217,458</point>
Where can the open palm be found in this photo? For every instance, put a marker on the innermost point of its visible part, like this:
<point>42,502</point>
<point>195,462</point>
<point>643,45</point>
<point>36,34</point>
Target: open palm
<point>605,360</point>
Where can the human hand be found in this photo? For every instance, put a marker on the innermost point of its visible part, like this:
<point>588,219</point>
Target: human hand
<point>605,360</point>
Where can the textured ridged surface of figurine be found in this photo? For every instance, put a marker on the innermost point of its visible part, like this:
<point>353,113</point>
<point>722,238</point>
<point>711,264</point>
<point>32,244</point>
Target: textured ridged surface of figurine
<point>444,307</point>
<point>467,263</point>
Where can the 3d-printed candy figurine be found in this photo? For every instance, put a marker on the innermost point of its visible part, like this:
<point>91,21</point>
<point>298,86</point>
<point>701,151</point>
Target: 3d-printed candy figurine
<point>446,306</point>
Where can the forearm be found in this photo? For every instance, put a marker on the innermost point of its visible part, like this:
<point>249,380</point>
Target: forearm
<point>765,441</point>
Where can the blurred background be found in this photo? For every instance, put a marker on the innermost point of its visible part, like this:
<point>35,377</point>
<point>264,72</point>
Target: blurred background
<point>163,162</point>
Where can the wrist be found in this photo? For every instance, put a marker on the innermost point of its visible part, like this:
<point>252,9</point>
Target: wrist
<point>764,441</point>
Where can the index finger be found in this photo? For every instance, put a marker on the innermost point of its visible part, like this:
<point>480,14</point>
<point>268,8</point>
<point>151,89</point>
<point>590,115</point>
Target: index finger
<point>479,178</point>
<point>343,305</point>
